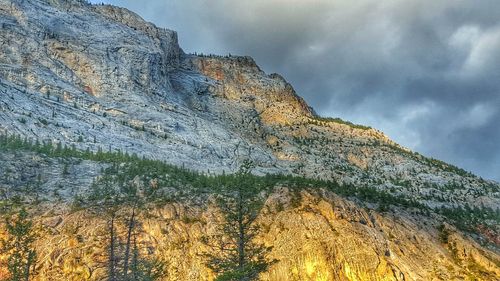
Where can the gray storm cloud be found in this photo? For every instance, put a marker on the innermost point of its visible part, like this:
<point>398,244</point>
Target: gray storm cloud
<point>425,72</point>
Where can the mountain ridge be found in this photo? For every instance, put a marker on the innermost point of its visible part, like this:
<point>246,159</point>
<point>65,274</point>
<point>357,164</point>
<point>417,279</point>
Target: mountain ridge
<point>159,99</point>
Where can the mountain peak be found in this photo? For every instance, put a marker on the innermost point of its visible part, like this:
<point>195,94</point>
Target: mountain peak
<point>240,79</point>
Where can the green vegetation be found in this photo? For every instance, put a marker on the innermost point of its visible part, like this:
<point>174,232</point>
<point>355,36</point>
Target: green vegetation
<point>109,195</point>
<point>126,167</point>
<point>317,120</point>
<point>202,55</point>
<point>106,199</point>
<point>469,219</point>
<point>43,121</point>
<point>430,161</point>
<point>233,253</point>
<point>65,169</point>
<point>169,183</point>
<point>19,246</point>
<point>444,234</point>
<point>58,150</point>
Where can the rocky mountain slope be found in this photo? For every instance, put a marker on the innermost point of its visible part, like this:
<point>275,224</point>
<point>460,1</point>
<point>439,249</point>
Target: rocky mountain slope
<point>99,78</point>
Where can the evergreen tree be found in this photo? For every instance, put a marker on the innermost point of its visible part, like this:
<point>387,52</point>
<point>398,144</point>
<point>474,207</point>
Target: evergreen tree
<point>112,196</point>
<point>234,254</point>
<point>19,246</point>
<point>105,200</point>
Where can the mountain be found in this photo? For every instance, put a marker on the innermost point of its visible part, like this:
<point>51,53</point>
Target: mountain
<point>342,201</point>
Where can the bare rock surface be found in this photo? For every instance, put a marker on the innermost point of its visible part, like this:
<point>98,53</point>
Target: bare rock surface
<point>331,238</point>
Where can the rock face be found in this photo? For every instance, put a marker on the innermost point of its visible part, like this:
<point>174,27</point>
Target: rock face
<point>100,77</point>
<point>48,47</point>
<point>330,238</point>
<point>240,79</point>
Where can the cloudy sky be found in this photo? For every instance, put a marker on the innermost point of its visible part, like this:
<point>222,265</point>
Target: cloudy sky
<point>426,72</point>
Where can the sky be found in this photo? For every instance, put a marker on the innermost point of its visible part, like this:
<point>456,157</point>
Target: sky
<point>425,72</point>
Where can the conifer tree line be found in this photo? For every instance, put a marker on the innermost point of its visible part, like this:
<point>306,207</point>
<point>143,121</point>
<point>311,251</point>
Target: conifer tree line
<point>237,258</point>
<point>234,253</point>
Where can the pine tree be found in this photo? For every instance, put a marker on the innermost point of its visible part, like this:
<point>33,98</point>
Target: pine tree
<point>19,246</point>
<point>105,199</point>
<point>233,253</point>
<point>112,197</point>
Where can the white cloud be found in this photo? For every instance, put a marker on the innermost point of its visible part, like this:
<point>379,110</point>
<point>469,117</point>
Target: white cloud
<point>465,37</point>
<point>478,115</point>
<point>483,52</point>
